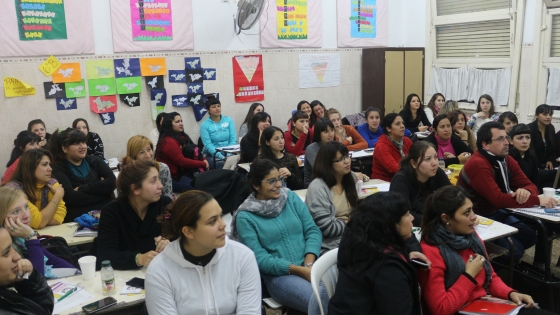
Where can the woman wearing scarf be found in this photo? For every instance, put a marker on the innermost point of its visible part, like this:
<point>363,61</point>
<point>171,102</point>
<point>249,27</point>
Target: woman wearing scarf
<point>449,147</point>
<point>277,226</point>
<point>390,149</point>
<point>461,271</point>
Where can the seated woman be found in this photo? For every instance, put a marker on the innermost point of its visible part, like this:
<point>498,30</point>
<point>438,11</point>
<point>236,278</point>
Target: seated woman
<point>32,294</point>
<point>129,234</point>
<point>371,130</point>
<point>299,136</point>
<point>250,144</point>
<point>176,281</point>
<point>253,109</point>
<point>435,103</point>
<point>94,142</point>
<point>272,148</point>
<point>414,117</point>
<point>347,135</point>
<point>44,193</point>
<point>141,148</point>
<point>448,107</point>
<point>154,134</point>
<point>390,149</point>
<point>460,129</point>
<point>448,146</point>
<point>324,132</point>
<point>485,112</point>
<point>277,226</point>
<point>521,149</point>
<point>26,140</point>
<point>37,126</point>
<point>375,271</point>
<point>508,119</point>
<point>317,112</point>
<point>16,217</point>
<point>544,142</point>
<point>332,194</point>
<point>87,180</point>
<point>418,177</point>
<point>461,271</point>
<point>216,131</point>
<point>170,150</point>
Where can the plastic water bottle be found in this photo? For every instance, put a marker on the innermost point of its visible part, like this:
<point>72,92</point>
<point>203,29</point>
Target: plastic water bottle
<point>359,185</point>
<point>107,278</point>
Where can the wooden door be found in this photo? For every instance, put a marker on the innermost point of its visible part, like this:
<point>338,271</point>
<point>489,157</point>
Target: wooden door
<point>413,73</point>
<point>394,81</point>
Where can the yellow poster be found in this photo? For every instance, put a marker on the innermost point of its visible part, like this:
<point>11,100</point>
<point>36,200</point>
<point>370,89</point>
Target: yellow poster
<point>291,19</point>
<point>49,66</point>
<point>14,87</point>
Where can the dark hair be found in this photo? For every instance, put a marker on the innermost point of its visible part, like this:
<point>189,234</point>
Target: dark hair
<point>313,119</point>
<point>132,173</point>
<point>372,227</point>
<point>370,110</point>
<point>388,122</point>
<point>251,113</point>
<point>407,107</point>
<point>253,127</point>
<point>212,101</point>
<point>35,122</point>
<point>159,120</point>
<point>432,103</point>
<point>184,211</point>
<point>297,115</point>
<point>301,104</point>
<point>260,168</point>
<point>25,171</point>
<point>323,169</point>
<point>267,134</point>
<point>321,125</point>
<point>509,115</point>
<point>520,129</point>
<point>448,200</point>
<point>167,131</point>
<point>23,138</point>
<point>64,138</point>
<point>454,117</point>
<point>492,110</point>
<point>77,120</point>
<point>417,153</point>
<point>484,133</point>
<point>438,119</point>
<point>550,132</point>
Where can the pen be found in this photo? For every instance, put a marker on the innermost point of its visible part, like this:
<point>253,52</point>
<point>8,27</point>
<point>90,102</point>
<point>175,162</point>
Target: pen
<point>66,294</point>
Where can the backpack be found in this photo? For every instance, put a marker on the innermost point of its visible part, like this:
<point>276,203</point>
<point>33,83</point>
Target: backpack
<point>191,151</point>
<point>58,246</point>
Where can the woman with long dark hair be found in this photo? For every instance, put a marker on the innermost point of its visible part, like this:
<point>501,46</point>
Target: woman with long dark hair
<point>485,112</point>
<point>414,117</point>
<point>544,142</point>
<point>37,126</point>
<point>324,132</point>
<point>317,112</point>
<point>448,146</point>
<point>521,149</point>
<point>390,149</point>
<point>458,121</point>
<point>508,119</point>
<point>26,140</point>
<point>434,105</point>
<point>250,144</point>
<point>94,142</point>
<point>253,109</point>
<point>272,148</point>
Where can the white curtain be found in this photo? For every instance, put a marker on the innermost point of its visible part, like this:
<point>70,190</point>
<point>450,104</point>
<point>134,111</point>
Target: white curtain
<point>553,89</point>
<point>452,83</point>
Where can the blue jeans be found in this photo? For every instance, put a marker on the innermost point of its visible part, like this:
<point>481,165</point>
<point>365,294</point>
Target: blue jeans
<point>219,163</point>
<point>181,185</point>
<point>297,293</point>
<point>525,238</point>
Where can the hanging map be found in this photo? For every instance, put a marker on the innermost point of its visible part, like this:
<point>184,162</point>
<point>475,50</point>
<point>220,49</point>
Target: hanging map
<point>151,20</point>
<point>291,18</point>
<point>41,20</point>
<point>319,70</point>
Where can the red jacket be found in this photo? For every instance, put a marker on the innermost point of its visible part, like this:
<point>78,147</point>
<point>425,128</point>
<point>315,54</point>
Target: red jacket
<point>172,155</point>
<point>487,196</point>
<point>436,300</point>
<point>386,158</point>
<point>358,142</point>
<point>297,148</point>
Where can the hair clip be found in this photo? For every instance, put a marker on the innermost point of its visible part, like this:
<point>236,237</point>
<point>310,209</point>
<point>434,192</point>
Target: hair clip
<point>167,216</point>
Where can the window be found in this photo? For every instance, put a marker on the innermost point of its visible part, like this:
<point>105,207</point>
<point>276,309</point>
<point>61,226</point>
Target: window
<point>490,39</point>
<point>448,7</point>
<point>555,36</point>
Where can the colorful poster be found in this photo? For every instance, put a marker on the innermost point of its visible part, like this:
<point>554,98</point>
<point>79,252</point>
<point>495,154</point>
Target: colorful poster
<point>66,104</point>
<point>41,20</point>
<point>75,89</point>
<point>319,70</point>
<point>127,67</point>
<point>103,104</point>
<point>97,69</point>
<point>151,20</point>
<point>14,87</point>
<point>98,87</point>
<point>54,90</point>
<point>363,18</point>
<point>362,23</point>
<point>131,100</point>
<point>67,72</point>
<point>291,19</point>
<point>248,78</point>
<point>152,66</point>
<point>107,118</point>
<point>129,85</point>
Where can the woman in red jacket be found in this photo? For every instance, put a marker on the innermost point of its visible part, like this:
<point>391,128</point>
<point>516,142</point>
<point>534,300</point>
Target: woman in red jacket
<point>390,149</point>
<point>169,150</point>
<point>461,271</point>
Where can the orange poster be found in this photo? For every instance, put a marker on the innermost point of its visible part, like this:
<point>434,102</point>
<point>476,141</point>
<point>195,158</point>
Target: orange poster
<point>68,72</point>
<point>152,66</point>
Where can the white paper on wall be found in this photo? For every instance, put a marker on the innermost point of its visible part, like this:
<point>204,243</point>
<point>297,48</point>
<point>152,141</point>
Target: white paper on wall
<point>319,70</point>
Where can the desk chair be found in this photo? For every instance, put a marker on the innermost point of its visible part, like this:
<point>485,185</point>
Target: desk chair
<point>325,269</point>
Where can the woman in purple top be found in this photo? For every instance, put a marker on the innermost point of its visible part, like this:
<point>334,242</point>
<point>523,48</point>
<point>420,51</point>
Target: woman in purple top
<point>14,213</point>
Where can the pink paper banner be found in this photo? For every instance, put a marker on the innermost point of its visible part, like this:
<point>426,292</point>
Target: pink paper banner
<point>371,15</point>
<point>151,20</point>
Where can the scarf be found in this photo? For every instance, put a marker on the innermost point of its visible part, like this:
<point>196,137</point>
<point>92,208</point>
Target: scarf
<point>270,208</point>
<point>444,146</point>
<point>500,170</point>
<point>449,244</point>
<point>399,145</point>
<point>44,190</point>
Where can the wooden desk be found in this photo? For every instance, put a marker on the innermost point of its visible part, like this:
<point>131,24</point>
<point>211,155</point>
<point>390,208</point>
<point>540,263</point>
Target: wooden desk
<point>66,231</point>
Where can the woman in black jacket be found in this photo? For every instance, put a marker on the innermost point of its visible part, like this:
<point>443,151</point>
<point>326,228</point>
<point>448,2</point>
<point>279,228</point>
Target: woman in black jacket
<point>544,142</point>
<point>413,115</point>
<point>521,149</point>
<point>250,144</point>
<point>32,294</point>
<point>449,147</point>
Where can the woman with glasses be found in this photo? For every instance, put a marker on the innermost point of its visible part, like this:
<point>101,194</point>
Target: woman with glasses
<point>332,195</point>
<point>277,226</point>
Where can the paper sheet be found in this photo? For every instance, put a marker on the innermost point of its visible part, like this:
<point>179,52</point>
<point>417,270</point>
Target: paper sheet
<point>321,70</point>
<point>380,187</point>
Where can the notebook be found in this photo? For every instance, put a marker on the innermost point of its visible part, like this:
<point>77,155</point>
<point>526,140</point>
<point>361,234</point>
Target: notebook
<point>489,305</point>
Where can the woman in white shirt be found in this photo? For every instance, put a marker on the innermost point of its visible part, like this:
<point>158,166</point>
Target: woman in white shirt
<point>485,112</point>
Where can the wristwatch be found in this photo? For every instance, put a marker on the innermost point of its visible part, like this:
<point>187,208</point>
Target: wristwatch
<point>31,235</point>
<point>308,265</point>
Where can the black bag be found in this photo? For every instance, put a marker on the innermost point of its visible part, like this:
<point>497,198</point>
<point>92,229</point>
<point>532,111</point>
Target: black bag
<point>58,246</point>
<point>529,280</point>
<point>191,151</point>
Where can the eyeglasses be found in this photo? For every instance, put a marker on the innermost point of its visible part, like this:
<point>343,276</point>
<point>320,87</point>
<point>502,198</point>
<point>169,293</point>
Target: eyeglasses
<point>342,158</point>
<point>502,139</point>
<point>273,181</point>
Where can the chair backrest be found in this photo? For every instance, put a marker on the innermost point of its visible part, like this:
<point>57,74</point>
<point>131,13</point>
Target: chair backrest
<point>325,269</point>
<point>227,187</point>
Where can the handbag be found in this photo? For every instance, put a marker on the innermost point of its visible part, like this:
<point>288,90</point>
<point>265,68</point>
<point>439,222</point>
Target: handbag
<point>191,151</point>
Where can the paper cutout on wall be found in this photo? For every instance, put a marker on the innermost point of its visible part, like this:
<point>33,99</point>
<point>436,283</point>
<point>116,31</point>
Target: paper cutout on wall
<point>67,72</point>
<point>54,90</point>
<point>199,111</point>
<point>154,82</point>
<point>66,104</point>
<point>152,66</point>
<point>97,69</point>
<point>158,97</point>
<point>14,87</point>
<point>177,76</point>
<point>181,100</point>
<point>321,70</point>
<point>192,63</point>
<point>291,19</point>
<point>151,20</point>
<point>194,76</point>
<point>41,20</point>
<point>98,87</point>
<point>129,85</point>
<point>248,79</point>
<point>196,99</point>
<point>107,118</point>
<point>103,104</point>
<point>362,23</point>
<point>127,67</point>
<point>76,89</point>
<point>195,88</point>
<point>209,73</point>
<point>131,100</point>
<point>49,66</point>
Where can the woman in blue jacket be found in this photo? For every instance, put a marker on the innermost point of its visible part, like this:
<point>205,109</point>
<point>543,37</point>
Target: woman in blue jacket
<point>371,130</point>
<point>216,131</point>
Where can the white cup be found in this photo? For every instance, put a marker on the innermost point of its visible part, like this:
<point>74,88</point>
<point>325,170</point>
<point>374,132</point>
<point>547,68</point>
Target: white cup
<point>87,265</point>
<point>549,192</point>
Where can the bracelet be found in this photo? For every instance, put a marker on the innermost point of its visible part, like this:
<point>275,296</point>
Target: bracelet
<point>289,272</point>
<point>56,203</point>
<point>308,265</point>
<point>34,234</point>
<point>136,260</point>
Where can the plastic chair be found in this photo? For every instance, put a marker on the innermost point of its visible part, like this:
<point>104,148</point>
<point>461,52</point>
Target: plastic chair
<point>325,269</point>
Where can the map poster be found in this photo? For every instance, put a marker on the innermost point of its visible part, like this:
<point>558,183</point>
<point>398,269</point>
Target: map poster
<point>41,19</point>
<point>363,18</point>
<point>248,78</point>
<point>291,19</point>
<point>319,70</point>
<point>151,20</point>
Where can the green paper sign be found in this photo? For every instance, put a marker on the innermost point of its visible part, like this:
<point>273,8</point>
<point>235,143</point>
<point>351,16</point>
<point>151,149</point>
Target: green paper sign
<point>129,85</point>
<point>99,87</point>
<point>76,89</point>
<point>41,20</point>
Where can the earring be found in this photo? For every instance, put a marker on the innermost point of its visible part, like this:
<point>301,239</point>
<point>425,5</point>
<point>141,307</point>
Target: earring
<point>447,223</point>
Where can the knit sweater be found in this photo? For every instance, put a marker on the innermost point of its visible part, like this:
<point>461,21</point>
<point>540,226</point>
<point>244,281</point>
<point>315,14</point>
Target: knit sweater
<point>36,254</point>
<point>169,152</point>
<point>370,137</point>
<point>474,122</point>
<point>297,146</point>
<point>280,241</point>
<point>10,171</point>
<point>35,209</point>
<point>310,155</point>
<point>413,125</point>
<point>358,143</point>
<point>290,162</point>
<point>387,158</point>
<point>458,146</point>
<point>217,134</point>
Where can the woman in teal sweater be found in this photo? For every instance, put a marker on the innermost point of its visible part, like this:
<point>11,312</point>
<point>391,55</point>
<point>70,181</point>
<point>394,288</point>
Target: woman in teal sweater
<point>277,226</point>
<point>216,131</point>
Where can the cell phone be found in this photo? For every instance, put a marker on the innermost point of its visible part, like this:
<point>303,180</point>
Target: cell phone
<point>420,263</point>
<point>136,282</point>
<point>99,305</point>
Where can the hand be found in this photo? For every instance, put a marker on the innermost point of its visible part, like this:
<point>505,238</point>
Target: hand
<point>448,155</point>
<point>548,202</point>
<point>474,265</point>
<point>160,243</point>
<point>349,139</point>
<point>521,195</point>
<point>76,189</point>
<point>549,166</point>
<point>343,218</point>
<point>42,142</point>
<point>305,129</point>
<point>519,299</point>
<point>58,190</point>
<point>421,257</point>
<point>17,229</point>
<point>464,157</point>
<point>423,128</point>
<point>463,134</point>
<point>23,266</point>
<point>301,271</point>
<point>146,258</point>
<point>207,165</point>
<point>284,172</point>
<point>481,115</point>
